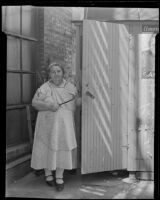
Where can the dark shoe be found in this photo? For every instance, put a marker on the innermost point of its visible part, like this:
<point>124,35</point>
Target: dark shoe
<point>50,183</point>
<point>73,171</point>
<point>38,172</point>
<point>59,186</point>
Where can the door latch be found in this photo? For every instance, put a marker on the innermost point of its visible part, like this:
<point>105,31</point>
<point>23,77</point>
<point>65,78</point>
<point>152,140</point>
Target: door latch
<point>88,93</point>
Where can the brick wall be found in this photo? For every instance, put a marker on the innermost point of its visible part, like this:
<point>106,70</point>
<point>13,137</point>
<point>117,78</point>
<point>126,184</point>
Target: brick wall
<point>59,38</point>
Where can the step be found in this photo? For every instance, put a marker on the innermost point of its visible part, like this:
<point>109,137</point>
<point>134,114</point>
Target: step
<point>18,169</point>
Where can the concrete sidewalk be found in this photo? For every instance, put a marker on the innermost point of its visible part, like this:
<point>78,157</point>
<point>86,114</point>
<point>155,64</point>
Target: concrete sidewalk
<point>91,186</point>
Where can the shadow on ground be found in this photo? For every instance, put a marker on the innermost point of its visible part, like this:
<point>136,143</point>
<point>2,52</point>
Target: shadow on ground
<point>105,185</point>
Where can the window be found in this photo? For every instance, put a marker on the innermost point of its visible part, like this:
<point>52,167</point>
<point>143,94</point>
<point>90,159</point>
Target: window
<point>20,23</point>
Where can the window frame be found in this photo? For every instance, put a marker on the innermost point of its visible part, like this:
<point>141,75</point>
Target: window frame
<point>20,71</point>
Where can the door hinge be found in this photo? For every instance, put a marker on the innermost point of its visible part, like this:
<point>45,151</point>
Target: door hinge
<point>131,41</point>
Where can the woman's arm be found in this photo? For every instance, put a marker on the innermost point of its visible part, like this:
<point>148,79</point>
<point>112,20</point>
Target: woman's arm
<point>41,105</point>
<point>72,89</point>
<point>44,106</point>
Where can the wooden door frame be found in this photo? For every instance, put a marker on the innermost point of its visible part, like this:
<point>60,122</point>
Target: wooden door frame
<point>133,116</point>
<point>79,27</point>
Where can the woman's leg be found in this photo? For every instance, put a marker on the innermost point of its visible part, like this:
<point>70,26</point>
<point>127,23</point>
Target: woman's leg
<point>59,175</point>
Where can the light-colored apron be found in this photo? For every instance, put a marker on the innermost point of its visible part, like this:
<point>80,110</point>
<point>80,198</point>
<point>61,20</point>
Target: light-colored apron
<point>55,131</point>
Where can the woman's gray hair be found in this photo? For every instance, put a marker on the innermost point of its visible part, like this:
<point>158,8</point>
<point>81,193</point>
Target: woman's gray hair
<point>55,64</point>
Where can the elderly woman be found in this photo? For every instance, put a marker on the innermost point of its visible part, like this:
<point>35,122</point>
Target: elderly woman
<point>54,137</point>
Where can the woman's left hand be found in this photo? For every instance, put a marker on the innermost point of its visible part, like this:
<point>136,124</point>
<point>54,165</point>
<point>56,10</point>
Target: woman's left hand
<point>79,101</point>
<point>54,107</point>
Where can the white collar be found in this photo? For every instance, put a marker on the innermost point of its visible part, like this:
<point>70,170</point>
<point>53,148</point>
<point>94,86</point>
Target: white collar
<point>62,85</point>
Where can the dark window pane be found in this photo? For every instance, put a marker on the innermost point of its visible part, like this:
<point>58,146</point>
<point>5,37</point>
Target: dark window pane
<point>29,25</point>
<point>13,88</point>
<point>13,53</point>
<point>16,126</point>
<point>12,17</point>
<point>28,87</point>
<point>13,127</point>
<point>24,128</point>
<point>3,17</point>
<point>28,55</point>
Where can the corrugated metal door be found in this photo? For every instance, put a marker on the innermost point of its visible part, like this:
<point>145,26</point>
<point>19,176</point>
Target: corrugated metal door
<point>104,96</point>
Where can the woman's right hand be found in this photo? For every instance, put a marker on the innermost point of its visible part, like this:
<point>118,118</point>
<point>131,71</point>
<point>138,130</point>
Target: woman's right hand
<point>53,106</point>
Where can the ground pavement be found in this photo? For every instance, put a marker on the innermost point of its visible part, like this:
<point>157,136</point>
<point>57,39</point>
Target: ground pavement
<point>104,185</point>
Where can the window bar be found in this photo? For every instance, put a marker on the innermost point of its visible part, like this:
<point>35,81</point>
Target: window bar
<point>21,75</point>
<point>20,36</point>
<point>19,71</point>
<point>19,106</point>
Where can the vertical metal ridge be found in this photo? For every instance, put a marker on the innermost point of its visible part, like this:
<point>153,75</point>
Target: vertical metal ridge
<point>103,149</point>
<point>96,142</point>
<point>113,95</point>
<point>117,94</point>
<point>83,141</point>
<point>118,122</point>
<point>111,70</point>
<point>116,89</point>
<point>118,99</point>
<point>104,65</point>
<point>90,133</point>
<point>88,159</point>
<point>99,164</point>
<point>109,92</point>
<point>123,43</point>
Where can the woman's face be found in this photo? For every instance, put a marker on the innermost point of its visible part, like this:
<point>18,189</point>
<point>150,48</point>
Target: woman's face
<point>56,74</point>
